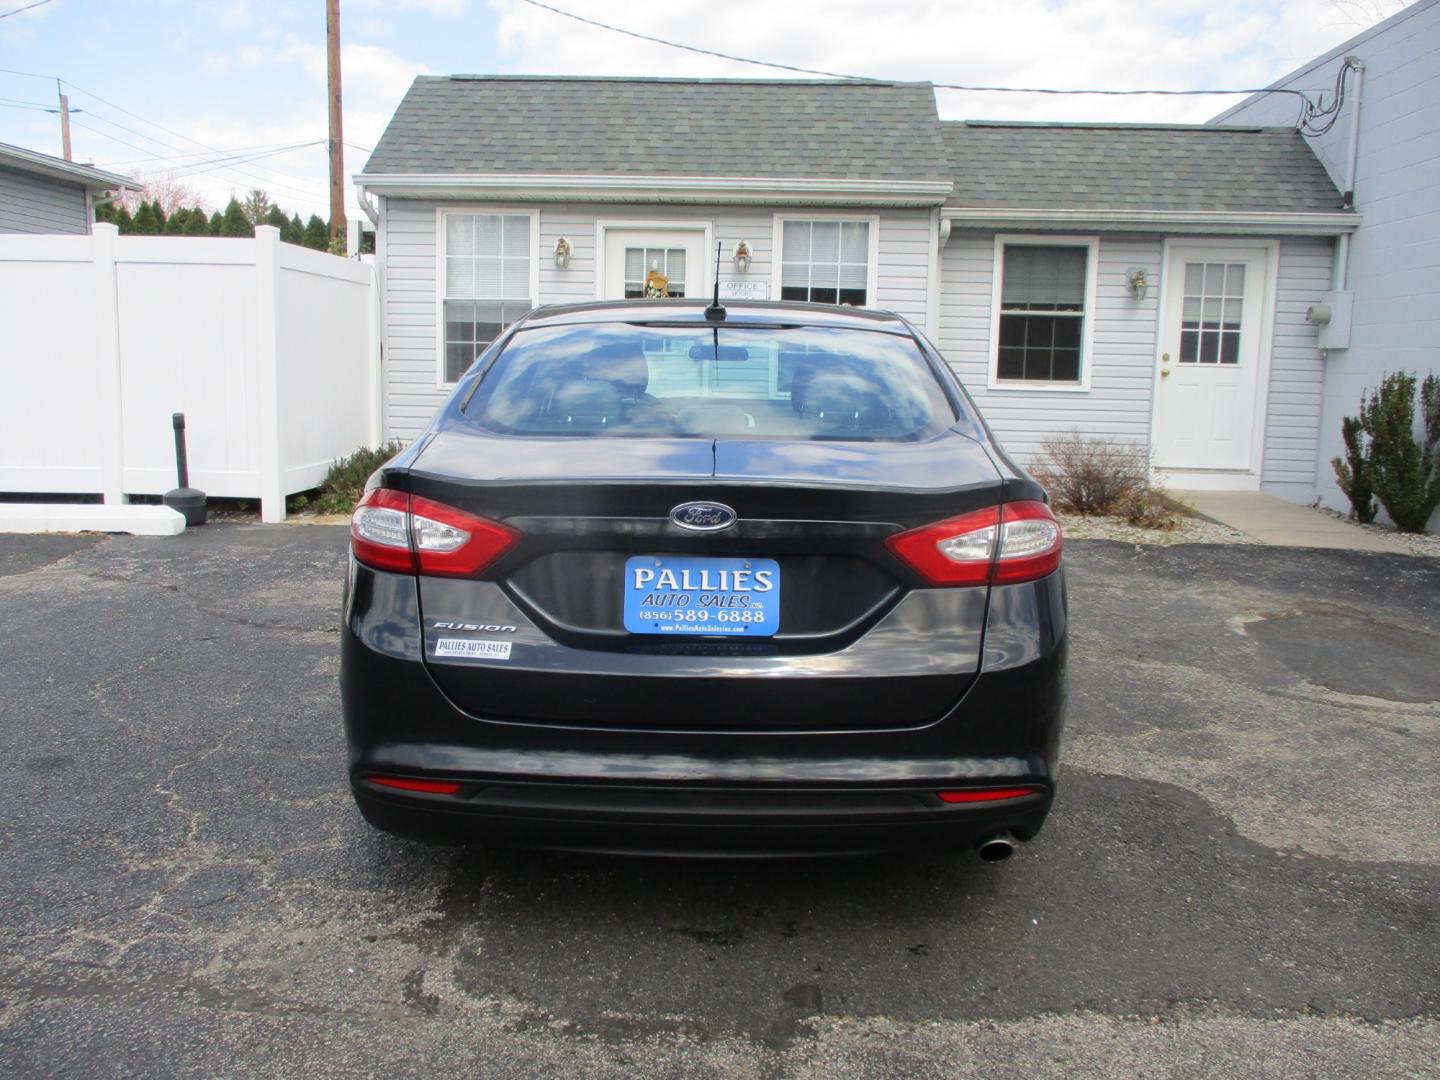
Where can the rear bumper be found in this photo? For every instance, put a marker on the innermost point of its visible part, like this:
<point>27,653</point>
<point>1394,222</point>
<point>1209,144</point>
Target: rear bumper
<point>702,792</point>
<point>699,822</point>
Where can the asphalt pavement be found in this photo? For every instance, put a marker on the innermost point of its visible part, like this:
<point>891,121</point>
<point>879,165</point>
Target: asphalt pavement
<point>1239,876</point>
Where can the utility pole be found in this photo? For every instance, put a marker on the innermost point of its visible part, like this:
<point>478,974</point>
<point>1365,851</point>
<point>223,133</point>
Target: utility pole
<point>64,120</point>
<point>337,145</point>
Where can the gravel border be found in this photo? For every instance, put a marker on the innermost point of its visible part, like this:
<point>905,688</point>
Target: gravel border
<point>1188,530</point>
<point>1418,543</point>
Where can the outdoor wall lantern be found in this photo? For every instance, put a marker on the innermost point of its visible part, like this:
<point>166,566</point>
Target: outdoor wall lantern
<point>562,253</point>
<point>741,255</point>
<point>1139,286</point>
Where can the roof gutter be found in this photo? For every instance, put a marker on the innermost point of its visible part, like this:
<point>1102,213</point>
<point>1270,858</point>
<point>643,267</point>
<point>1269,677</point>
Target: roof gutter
<point>549,187</point>
<point>1271,223</point>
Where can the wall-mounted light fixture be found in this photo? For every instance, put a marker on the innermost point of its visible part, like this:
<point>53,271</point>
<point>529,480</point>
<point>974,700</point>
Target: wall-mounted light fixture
<point>562,253</point>
<point>741,255</point>
<point>1136,280</point>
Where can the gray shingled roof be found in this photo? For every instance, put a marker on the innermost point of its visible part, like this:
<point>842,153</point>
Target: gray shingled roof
<point>664,127</point>
<point>1135,167</point>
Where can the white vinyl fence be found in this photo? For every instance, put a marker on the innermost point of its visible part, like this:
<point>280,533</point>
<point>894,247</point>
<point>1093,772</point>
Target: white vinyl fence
<point>270,351</point>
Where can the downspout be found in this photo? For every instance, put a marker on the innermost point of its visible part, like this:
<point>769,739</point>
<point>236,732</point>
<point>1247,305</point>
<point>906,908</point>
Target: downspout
<point>367,204</point>
<point>1341,275</point>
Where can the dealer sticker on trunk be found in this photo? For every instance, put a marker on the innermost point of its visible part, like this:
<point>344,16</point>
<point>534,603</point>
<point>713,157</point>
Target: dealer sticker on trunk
<point>673,595</point>
<point>471,649</point>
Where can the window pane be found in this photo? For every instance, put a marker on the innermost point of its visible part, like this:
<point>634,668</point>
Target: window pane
<point>1189,346</point>
<point>460,234</point>
<point>460,277</point>
<point>1235,279</point>
<point>824,275</point>
<point>1012,363</point>
<point>1209,348</point>
<point>824,296</point>
<point>852,297</point>
<point>675,264</point>
<point>793,292</point>
<point>1211,319</point>
<point>517,236</point>
<point>1067,333</point>
<point>793,274</point>
<point>1043,277</point>
<point>634,264</point>
<point>855,241</point>
<point>1194,279</point>
<point>853,276</point>
<point>487,278</point>
<point>487,234</point>
<point>825,242</point>
<point>1066,366</point>
<point>796,239</point>
<point>458,359</point>
<point>1229,348</point>
<point>517,278</point>
<point>1232,314</point>
<point>1214,279</point>
<point>1190,316</point>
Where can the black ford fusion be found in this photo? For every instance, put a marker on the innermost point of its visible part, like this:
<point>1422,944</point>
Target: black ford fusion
<point>657,579</point>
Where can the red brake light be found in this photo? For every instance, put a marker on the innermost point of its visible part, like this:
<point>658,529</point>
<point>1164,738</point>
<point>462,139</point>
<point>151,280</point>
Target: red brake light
<point>392,530</point>
<point>973,795</point>
<point>999,545</point>
<point>405,783</point>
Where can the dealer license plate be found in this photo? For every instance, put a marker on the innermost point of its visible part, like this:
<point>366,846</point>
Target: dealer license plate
<point>671,595</point>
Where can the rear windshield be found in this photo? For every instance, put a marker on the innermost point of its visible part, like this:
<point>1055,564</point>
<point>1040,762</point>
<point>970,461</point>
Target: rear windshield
<point>797,383</point>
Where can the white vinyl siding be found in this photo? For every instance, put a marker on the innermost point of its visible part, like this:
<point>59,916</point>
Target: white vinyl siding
<point>1120,357</point>
<point>411,320</point>
<point>1297,370</point>
<point>39,204</point>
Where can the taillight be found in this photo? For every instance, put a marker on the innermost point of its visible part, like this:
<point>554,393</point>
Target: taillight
<point>392,530</point>
<point>406,783</point>
<point>999,545</point>
<point>974,795</point>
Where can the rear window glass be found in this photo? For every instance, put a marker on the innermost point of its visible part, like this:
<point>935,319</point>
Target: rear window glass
<point>774,382</point>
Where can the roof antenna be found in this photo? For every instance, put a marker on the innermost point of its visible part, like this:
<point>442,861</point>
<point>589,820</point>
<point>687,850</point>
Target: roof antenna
<point>716,312</point>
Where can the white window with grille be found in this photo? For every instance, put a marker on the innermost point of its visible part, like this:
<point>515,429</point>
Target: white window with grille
<point>489,277</point>
<point>1044,302</point>
<point>826,260</point>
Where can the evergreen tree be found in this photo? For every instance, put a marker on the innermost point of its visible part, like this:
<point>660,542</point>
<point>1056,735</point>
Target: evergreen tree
<point>257,206</point>
<point>197,224</point>
<point>235,223</point>
<point>294,231</point>
<point>275,216</point>
<point>215,224</point>
<point>105,212</point>
<point>176,222</point>
<point>317,233</point>
<point>123,220</point>
<point>147,222</point>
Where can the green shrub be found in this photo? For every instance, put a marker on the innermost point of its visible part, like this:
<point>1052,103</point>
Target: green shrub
<point>345,482</point>
<point>1091,474</point>
<point>1401,470</point>
<point>1352,472</point>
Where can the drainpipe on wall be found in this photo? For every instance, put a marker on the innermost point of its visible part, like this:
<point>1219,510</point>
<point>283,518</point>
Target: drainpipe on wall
<point>1341,275</point>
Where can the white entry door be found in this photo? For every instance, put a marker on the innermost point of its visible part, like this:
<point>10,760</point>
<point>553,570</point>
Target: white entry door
<point>677,255</point>
<point>1212,360</point>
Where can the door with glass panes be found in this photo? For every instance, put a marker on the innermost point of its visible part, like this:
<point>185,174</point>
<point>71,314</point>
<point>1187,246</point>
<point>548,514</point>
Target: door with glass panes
<point>1211,356</point>
<point>634,257</point>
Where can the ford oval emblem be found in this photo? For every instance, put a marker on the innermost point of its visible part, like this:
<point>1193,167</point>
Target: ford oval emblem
<point>703,516</point>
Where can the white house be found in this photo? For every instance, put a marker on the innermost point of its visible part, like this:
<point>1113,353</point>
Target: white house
<point>1146,281</point>
<point>44,194</point>
<point>1384,148</point>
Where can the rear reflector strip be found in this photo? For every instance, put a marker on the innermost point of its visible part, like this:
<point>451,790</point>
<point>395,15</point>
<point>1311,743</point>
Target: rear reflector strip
<point>405,783</point>
<point>974,795</point>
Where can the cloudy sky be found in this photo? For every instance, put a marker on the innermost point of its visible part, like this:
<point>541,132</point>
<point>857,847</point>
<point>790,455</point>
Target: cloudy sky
<point>223,96</point>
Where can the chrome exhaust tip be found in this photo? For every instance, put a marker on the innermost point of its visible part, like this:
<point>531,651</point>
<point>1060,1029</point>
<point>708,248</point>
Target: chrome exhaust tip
<point>996,848</point>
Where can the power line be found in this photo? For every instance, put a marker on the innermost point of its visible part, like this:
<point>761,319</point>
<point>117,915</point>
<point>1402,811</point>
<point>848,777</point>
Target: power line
<point>249,177</point>
<point>200,157</point>
<point>27,7</point>
<point>872,79</point>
